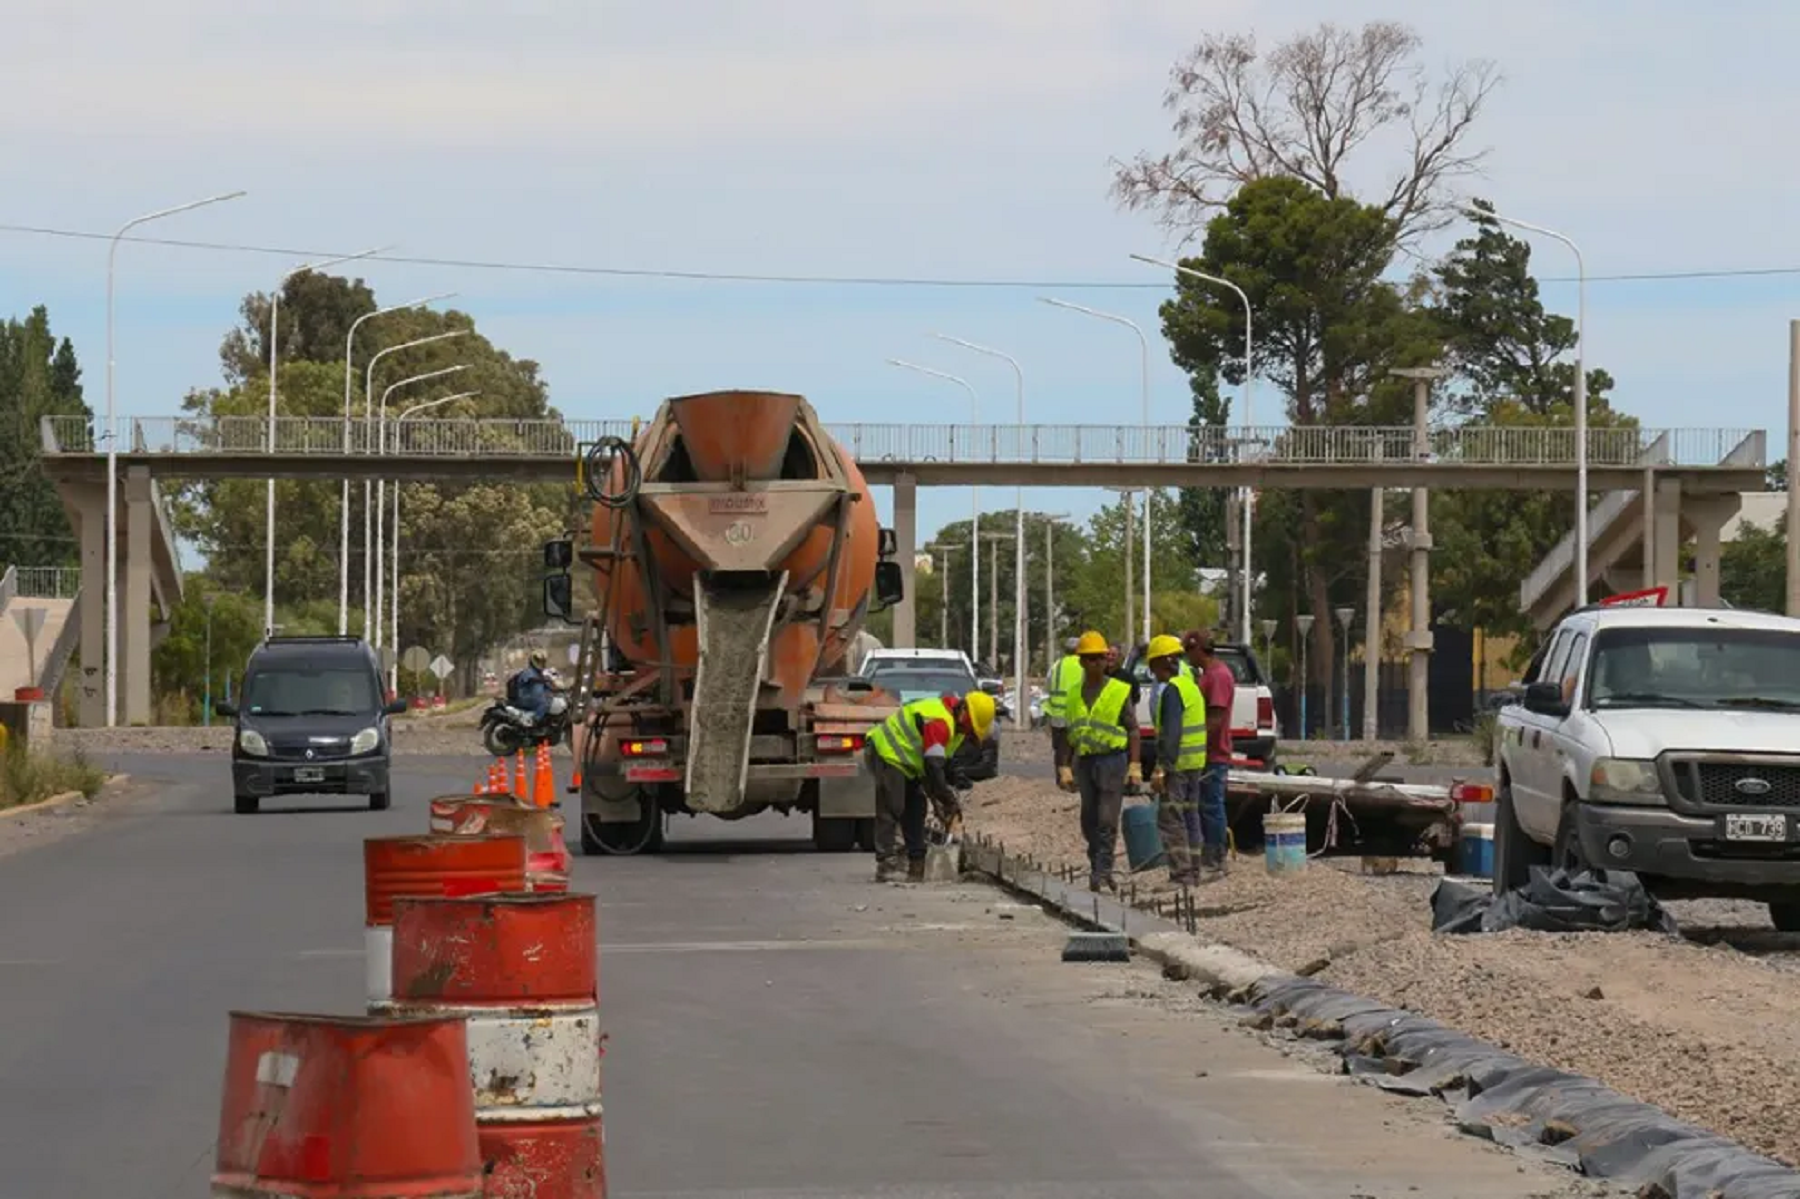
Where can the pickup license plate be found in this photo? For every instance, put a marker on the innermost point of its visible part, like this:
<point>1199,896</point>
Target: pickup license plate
<point>1755,827</point>
<point>316,774</point>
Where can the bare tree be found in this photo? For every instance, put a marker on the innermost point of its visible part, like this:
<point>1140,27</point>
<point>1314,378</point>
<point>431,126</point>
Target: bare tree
<point>1303,111</point>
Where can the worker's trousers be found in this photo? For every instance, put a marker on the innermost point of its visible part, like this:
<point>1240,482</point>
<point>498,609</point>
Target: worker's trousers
<point>1212,808</point>
<point>1101,780</point>
<point>899,812</point>
<point>1178,822</point>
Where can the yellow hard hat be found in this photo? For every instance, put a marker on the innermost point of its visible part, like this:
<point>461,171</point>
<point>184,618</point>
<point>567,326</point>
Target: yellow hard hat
<point>980,707</point>
<point>1090,643</point>
<point>1162,646</point>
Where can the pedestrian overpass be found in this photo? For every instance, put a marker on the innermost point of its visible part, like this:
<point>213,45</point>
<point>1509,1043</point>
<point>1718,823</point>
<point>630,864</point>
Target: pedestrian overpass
<point>1697,466</point>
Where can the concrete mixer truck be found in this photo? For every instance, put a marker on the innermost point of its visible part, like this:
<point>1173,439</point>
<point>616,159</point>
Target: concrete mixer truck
<point>735,553</point>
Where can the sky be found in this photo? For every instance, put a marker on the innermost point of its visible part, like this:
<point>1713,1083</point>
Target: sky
<point>967,140</point>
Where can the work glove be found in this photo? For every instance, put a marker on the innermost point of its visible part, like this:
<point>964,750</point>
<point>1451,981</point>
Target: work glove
<point>1134,774</point>
<point>1157,782</point>
<point>1065,778</point>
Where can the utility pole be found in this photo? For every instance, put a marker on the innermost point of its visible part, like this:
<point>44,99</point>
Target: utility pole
<point>1128,493</point>
<point>1050,655</point>
<point>993,658</point>
<point>1793,464</point>
<point>1418,638</point>
<point>1372,614</point>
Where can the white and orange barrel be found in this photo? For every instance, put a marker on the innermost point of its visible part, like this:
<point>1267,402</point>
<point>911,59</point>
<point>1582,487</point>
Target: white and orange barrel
<point>347,1107</point>
<point>524,971</point>
<point>547,857</point>
<point>395,866</point>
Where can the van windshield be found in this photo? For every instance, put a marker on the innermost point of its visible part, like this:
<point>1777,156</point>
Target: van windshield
<point>1695,668</point>
<point>310,691</point>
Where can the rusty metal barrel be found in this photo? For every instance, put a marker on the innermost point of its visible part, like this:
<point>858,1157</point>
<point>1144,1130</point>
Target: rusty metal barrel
<point>547,857</point>
<point>523,970</point>
<point>397,866</point>
<point>346,1107</point>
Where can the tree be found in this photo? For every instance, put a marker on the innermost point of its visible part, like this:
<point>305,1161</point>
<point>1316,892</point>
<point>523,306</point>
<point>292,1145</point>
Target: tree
<point>1753,569</point>
<point>1202,509</point>
<point>39,376</point>
<point>179,664</point>
<point>1304,112</point>
<point>1095,587</point>
<point>317,311</point>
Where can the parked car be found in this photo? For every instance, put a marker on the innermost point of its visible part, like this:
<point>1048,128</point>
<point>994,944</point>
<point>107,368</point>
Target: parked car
<point>1663,741</point>
<point>1254,731</point>
<point>923,659</point>
<point>910,683</point>
<point>312,718</point>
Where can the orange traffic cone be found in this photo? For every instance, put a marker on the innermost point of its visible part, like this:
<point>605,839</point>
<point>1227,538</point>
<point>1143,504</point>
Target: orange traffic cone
<point>575,781</point>
<point>543,791</point>
<point>496,780</point>
<point>520,782</point>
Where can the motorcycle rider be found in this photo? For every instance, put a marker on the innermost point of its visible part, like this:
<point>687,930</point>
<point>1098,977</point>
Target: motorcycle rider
<point>529,690</point>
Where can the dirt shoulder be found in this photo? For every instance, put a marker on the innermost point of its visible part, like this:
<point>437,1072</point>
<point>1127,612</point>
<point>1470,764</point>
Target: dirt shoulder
<point>427,736</point>
<point>1705,1025</point>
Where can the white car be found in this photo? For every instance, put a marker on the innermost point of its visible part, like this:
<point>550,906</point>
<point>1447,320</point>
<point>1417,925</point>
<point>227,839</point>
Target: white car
<point>916,659</point>
<point>1663,741</point>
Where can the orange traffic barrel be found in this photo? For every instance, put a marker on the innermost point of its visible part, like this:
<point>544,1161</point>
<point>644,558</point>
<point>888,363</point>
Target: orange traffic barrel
<point>524,971</point>
<point>347,1107</point>
<point>547,857</point>
<point>396,866</point>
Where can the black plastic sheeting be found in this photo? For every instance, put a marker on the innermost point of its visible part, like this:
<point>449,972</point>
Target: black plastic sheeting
<point>1494,1094</point>
<point>1554,901</point>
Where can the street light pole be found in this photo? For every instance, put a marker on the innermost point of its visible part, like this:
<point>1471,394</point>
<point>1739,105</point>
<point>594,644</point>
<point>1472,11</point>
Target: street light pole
<point>1247,498</point>
<point>1144,388</point>
<point>1051,520</point>
<point>940,555</point>
<point>394,607</point>
<point>380,492</point>
<point>1581,413</point>
<point>1127,497</point>
<point>112,452</point>
<point>344,502</point>
<point>1303,622</point>
<point>1018,519</point>
<point>1419,638</point>
<point>974,501</point>
<point>274,359</point>
<point>372,505</point>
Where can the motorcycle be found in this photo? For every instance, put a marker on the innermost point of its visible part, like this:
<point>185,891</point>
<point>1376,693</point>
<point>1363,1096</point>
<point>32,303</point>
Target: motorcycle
<point>505,730</point>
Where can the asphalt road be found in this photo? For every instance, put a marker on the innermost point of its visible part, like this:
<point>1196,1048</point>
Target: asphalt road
<point>777,1024</point>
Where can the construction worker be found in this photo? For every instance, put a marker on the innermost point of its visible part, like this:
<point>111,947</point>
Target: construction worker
<point>1218,687</point>
<point>909,756</point>
<point>1098,754</point>
<point>1180,719</point>
<point>1063,673</point>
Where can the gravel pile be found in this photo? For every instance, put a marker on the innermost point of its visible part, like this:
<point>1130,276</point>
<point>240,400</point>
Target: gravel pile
<point>1707,1027</point>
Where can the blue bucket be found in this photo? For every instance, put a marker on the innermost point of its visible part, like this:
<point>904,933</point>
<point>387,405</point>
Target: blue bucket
<point>1143,844</point>
<point>1475,850</point>
<point>1284,842</point>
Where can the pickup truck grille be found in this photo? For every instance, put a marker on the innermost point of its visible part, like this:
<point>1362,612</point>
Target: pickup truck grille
<point>1718,784</point>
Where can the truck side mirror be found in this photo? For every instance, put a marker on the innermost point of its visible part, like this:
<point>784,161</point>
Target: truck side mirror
<point>886,543</point>
<point>890,585</point>
<point>559,597</point>
<point>1545,699</point>
<point>559,555</point>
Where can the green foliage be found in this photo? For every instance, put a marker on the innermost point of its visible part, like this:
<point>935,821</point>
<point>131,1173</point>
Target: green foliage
<point>39,377</point>
<point>28,777</point>
<point>1203,509</point>
<point>1753,569</point>
<point>179,663</point>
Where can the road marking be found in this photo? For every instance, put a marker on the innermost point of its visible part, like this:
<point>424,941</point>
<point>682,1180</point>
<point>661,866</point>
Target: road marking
<point>327,953</point>
<point>737,946</point>
<point>32,961</point>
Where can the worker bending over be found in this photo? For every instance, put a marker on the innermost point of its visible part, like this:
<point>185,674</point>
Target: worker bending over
<point>1098,754</point>
<point>1180,719</point>
<point>909,756</point>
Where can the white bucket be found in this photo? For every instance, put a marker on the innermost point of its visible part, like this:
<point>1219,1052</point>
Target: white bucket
<point>1284,842</point>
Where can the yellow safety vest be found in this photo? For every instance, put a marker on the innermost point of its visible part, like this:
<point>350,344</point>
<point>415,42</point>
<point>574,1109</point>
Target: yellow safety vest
<point>899,743</point>
<point>1059,683</point>
<point>1191,754</point>
<point>1096,730</point>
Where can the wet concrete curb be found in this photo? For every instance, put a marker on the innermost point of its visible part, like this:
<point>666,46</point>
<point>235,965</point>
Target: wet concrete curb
<point>1549,1113</point>
<point>60,800</point>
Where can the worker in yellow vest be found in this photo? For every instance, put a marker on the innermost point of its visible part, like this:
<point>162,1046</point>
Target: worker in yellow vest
<point>1063,673</point>
<point>908,754</point>
<point>1179,716</point>
<point>1098,754</point>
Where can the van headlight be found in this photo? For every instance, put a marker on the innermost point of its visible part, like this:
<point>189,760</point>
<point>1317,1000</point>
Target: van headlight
<point>365,741</point>
<point>251,742</point>
<point>1625,781</point>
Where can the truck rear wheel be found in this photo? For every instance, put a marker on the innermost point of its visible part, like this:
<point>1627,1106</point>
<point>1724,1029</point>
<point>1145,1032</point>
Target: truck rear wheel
<point>621,839</point>
<point>1785,916</point>
<point>836,834</point>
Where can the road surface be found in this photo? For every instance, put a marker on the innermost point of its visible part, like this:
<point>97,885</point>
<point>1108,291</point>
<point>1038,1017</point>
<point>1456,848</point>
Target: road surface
<point>778,1025</point>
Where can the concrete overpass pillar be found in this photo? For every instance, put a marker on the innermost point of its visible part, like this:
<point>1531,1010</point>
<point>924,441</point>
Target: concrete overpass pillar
<point>1667,516</point>
<point>1648,497</point>
<point>906,540</point>
<point>90,682</point>
<point>1708,518</point>
<point>134,616</point>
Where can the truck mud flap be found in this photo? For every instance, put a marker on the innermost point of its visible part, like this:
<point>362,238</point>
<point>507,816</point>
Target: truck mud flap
<point>734,616</point>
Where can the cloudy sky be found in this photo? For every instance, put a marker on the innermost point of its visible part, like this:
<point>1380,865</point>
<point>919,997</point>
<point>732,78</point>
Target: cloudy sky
<point>926,138</point>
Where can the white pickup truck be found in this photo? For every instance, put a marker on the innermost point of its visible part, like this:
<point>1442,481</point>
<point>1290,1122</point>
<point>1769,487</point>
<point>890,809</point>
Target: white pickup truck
<point>1664,741</point>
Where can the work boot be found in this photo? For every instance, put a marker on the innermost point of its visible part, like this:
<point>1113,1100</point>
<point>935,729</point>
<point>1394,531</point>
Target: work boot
<point>889,870</point>
<point>1102,882</point>
<point>915,870</point>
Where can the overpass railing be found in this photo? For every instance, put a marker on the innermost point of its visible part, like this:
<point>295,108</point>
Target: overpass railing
<point>1470,444</point>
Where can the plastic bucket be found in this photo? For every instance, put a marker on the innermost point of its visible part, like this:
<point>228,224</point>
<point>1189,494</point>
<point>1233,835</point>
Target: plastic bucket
<point>1284,842</point>
<point>1475,850</point>
<point>1143,846</point>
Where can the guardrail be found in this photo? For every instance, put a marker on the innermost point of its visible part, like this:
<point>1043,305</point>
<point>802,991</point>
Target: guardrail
<point>9,586</point>
<point>45,582</point>
<point>1470,445</point>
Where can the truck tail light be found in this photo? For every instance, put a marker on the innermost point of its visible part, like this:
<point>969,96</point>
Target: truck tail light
<point>838,743</point>
<point>1265,712</point>
<point>1471,793</point>
<point>655,747</point>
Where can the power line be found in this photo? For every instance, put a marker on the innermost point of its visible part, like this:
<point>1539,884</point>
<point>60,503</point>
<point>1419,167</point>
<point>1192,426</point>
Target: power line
<point>669,275</point>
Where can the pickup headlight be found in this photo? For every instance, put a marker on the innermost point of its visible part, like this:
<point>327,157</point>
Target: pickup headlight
<point>365,741</point>
<point>1625,781</point>
<point>252,743</point>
